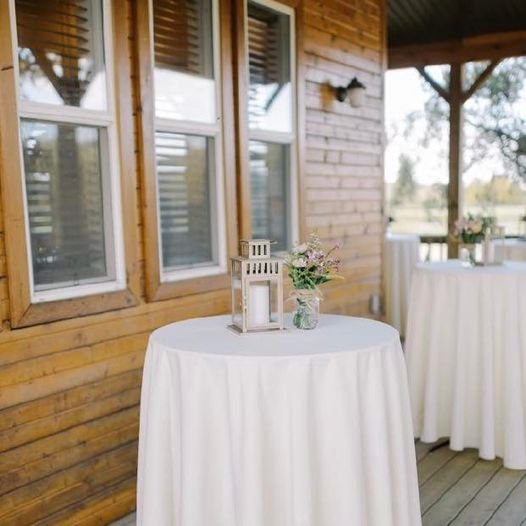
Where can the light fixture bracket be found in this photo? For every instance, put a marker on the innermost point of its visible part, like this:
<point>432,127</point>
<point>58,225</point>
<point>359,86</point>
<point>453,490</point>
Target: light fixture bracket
<point>341,92</point>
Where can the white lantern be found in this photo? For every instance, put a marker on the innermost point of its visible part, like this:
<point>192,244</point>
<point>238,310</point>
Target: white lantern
<point>257,288</point>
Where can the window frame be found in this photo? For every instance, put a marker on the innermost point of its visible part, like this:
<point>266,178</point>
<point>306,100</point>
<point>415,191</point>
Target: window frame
<point>179,282</point>
<point>295,138</point>
<point>29,307</point>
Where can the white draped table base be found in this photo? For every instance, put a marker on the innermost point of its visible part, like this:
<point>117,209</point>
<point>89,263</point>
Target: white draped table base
<point>276,430</point>
<point>401,254</point>
<point>466,358</point>
<point>511,249</point>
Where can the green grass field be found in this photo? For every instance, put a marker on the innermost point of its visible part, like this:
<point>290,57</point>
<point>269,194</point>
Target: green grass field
<point>414,219</point>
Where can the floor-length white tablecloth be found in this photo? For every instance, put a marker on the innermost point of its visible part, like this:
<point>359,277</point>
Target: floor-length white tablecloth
<point>301,428</point>
<point>466,357</point>
<point>510,250</point>
<point>401,254</point>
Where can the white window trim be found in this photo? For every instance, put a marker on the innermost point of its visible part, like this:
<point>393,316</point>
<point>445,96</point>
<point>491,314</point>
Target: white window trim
<point>282,137</point>
<point>103,119</point>
<point>212,130</point>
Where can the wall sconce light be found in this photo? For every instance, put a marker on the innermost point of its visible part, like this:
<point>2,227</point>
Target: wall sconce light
<point>356,92</point>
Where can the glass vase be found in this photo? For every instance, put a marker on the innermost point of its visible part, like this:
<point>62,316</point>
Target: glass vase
<point>307,308</point>
<point>468,255</point>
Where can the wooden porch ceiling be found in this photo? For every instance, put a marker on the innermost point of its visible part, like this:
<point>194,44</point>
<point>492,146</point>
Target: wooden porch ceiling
<point>426,32</point>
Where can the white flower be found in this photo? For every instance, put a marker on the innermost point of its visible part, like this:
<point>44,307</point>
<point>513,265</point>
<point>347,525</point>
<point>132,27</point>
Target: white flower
<point>476,227</point>
<point>299,263</point>
<point>300,249</point>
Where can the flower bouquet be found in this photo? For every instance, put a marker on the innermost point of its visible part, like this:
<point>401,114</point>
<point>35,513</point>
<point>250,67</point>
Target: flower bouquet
<point>309,266</point>
<point>471,230</point>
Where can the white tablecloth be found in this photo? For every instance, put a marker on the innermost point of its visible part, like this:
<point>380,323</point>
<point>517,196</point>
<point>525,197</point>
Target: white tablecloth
<point>302,428</point>
<point>401,254</point>
<point>511,250</point>
<point>466,357</point>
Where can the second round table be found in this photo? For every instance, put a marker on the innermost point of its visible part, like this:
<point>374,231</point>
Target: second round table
<point>466,357</point>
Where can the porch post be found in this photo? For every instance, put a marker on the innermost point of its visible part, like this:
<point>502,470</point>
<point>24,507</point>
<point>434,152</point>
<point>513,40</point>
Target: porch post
<point>454,192</point>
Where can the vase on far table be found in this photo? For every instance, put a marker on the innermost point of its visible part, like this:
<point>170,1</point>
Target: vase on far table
<point>468,255</point>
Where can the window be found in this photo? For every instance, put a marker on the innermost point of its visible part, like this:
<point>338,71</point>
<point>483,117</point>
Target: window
<point>71,242</point>
<point>272,122</point>
<point>65,234</point>
<point>188,139</point>
<point>68,149</point>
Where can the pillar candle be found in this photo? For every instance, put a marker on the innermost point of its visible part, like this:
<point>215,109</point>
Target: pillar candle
<point>258,304</point>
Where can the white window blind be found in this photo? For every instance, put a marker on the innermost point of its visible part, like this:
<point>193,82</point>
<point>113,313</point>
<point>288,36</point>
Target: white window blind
<point>269,189</point>
<point>269,47</point>
<point>188,138</point>
<point>64,202</point>
<point>67,133</point>
<point>185,164</point>
<point>271,119</point>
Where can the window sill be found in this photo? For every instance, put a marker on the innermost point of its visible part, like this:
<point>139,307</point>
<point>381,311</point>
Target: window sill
<point>51,311</point>
<point>77,292</point>
<point>193,273</point>
<point>165,290</point>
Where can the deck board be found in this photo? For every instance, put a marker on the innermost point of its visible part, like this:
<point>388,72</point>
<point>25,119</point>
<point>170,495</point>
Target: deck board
<point>485,503</point>
<point>459,495</point>
<point>513,509</point>
<point>434,488</point>
<point>459,489</point>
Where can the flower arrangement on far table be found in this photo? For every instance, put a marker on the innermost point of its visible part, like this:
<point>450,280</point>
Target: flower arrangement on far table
<point>310,266</point>
<point>471,230</point>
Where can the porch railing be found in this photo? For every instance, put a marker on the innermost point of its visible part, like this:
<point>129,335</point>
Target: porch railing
<point>433,247</point>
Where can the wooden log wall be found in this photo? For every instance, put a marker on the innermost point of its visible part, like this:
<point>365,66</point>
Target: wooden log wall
<point>69,390</point>
<point>343,181</point>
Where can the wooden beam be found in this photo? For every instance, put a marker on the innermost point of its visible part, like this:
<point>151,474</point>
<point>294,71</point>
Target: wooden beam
<point>301,119</point>
<point>241,87</point>
<point>480,80</point>
<point>11,170</point>
<point>455,155</point>
<point>484,47</point>
<point>434,84</point>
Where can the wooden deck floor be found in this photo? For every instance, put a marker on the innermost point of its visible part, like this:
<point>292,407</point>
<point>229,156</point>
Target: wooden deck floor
<point>129,520</point>
<point>459,489</point>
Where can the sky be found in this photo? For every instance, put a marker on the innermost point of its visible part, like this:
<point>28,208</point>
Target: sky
<point>404,95</point>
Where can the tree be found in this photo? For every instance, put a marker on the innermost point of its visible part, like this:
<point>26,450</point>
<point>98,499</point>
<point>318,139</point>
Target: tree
<point>435,200</point>
<point>499,190</point>
<point>404,187</point>
<point>494,123</point>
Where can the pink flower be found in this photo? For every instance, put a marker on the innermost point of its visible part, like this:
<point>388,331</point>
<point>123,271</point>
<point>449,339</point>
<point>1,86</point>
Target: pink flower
<point>299,263</point>
<point>300,249</point>
<point>460,225</point>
